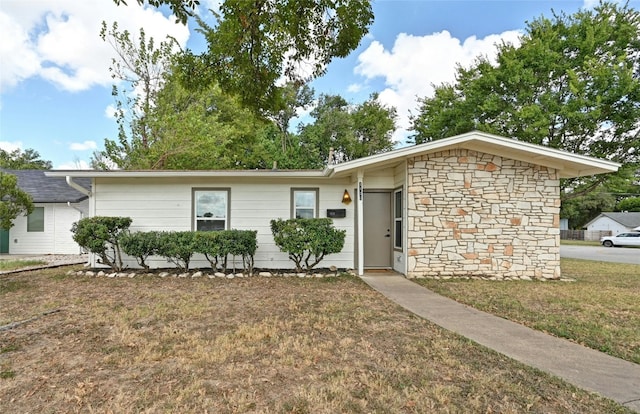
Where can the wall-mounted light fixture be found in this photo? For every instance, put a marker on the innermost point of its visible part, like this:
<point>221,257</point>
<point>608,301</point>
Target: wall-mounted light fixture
<point>346,198</point>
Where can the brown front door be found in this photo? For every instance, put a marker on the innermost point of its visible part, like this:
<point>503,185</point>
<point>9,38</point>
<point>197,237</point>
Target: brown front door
<point>377,230</point>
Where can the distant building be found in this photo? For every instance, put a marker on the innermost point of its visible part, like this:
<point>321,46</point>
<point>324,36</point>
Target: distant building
<point>47,230</point>
<point>615,222</point>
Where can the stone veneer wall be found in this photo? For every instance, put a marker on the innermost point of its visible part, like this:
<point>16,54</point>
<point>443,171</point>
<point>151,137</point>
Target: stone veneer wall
<point>472,214</point>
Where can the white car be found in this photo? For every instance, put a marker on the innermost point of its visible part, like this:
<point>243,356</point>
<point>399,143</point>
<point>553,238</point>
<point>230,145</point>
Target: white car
<point>622,239</point>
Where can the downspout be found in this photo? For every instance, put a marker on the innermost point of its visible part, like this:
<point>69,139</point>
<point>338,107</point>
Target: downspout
<point>75,208</point>
<point>360,206</point>
<point>79,211</point>
<point>84,191</point>
<point>77,186</point>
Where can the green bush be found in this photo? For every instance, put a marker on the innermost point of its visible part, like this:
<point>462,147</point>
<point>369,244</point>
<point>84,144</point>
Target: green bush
<point>218,245</point>
<point>209,243</point>
<point>101,235</point>
<point>307,239</point>
<point>177,247</point>
<point>140,245</point>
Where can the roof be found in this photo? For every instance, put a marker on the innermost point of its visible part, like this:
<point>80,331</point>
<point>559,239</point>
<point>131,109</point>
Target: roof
<point>45,189</point>
<point>629,220</point>
<point>568,165</point>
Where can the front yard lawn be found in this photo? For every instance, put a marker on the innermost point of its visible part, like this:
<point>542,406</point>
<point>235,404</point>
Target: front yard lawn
<point>260,345</point>
<point>601,309</point>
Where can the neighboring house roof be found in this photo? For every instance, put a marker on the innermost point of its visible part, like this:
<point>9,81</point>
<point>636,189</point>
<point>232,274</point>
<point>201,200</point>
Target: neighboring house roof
<point>47,189</point>
<point>629,220</point>
<point>569,165</point>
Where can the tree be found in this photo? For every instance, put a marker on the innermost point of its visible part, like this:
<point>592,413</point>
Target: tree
<point>256,42</point>
<point>572,84</point>
<point>193,129</point>
<point>19,160</point>
<point>629,204</point>
<point>141,66</point>
<point>294,97</point>
<point>581,210</point>
<point>373,125</point>
<point>13,201</point>
<point>254,45</point>
<point>182,9</point>
<point>353,131</point>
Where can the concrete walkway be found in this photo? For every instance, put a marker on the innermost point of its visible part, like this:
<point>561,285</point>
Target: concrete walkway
<point>583,367</point>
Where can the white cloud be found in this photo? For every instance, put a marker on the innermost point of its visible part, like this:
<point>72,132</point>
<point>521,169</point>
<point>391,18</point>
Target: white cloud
<point>59,41</point>
<point>110,111</point>
<point>416,63</point>
<point>10,146</point>
<point>83,146</point>
<point>354,88</point>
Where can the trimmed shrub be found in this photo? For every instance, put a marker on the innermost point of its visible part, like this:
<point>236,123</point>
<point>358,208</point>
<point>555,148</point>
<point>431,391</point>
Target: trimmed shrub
<point>177,247</point>
<point>140,245</point>
<point>307,239</point>
<point>209,243</point>
<point>101,235</point>
<point>218,245</point>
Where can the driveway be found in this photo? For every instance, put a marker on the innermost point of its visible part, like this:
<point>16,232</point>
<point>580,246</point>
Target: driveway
<point>602,254</point>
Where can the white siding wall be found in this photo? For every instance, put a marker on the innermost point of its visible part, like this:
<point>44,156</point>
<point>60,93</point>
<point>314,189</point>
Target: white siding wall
<point>605,223</point>
<point>56,237</point>
<point>166,205</point>
<point>379,180</point>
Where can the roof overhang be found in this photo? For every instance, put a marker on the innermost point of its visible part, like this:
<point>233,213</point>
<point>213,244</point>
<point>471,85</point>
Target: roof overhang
<point>568,165</point>
<point>271,174</point>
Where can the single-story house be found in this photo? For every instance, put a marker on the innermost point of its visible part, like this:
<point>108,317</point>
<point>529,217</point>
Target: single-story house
<point>47,230</point>
<point>615,222</point>
<point>471,205</point>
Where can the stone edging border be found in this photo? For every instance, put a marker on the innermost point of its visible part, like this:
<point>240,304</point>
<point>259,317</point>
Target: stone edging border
<point>200,273</point>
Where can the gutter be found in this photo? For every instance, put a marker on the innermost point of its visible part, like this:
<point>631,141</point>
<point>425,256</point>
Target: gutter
<point>77,186</point>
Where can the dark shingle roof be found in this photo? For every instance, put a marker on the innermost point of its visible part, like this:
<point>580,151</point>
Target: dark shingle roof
<point>45,189</point>
<point>630,220</point>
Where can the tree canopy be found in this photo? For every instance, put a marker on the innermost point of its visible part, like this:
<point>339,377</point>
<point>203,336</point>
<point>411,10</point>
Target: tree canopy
<point>182,9</point>
<point>352,131</point>
<point>231,106</point>
<point>171,123</point>
<point>13,200</point>
<point>258,42</point>
<point>28,159</point>
<point>572,84</point>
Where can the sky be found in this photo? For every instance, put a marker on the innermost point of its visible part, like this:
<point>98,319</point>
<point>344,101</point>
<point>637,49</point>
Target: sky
<point>55,85</point>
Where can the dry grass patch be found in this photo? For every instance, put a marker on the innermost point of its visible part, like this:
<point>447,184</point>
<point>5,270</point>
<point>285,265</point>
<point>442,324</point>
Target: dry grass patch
<point>18,264</point>
<point>601,309</point>
<point>265,345</point>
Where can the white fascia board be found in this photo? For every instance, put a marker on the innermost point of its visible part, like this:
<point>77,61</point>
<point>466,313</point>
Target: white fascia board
<point>187,174</point>
<point>574,164</point>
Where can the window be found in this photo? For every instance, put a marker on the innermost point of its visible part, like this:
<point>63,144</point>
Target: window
<point>397,219</point>
<point>304,202</point>
<point>35,220</point>
<point>211,209</point>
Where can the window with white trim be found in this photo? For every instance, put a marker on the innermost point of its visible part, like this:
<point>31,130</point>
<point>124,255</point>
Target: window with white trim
<point>397,219</point>
<point>304,202</point>
<point>211,209</point>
